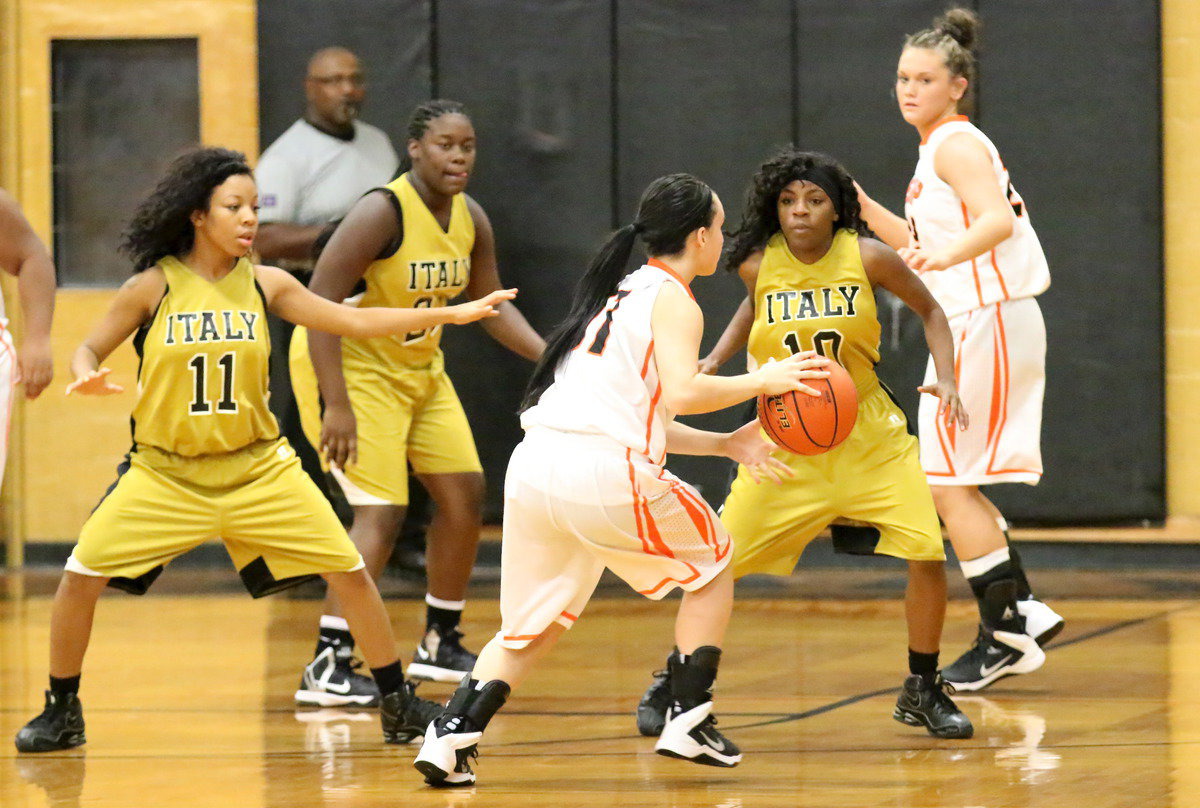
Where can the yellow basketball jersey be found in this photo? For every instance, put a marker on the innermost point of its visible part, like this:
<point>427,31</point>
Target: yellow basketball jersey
<point>430,269</point>
<point>827,306</point>
<point>202,378</point>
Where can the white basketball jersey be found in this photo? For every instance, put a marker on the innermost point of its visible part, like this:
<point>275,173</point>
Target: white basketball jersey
<point>1015,269</point>
<point>608,385</point>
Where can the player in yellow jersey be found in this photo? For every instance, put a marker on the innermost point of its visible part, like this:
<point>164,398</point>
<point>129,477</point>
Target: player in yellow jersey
<point>208,461</point>
<point>375,406</point>
<point>811,267</point>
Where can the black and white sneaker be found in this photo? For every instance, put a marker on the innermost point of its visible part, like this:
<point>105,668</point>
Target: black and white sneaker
<point>652,709</point>
<point>1041,622</point>
<point>450,740</point>
<point>994,655</point>
<point>447,751</point>
<point>926,704</point>
<point>60,726</point>
<point>405,715</point>
<point>333,681</point>
<point>441,658</point>
<point>693,735</point>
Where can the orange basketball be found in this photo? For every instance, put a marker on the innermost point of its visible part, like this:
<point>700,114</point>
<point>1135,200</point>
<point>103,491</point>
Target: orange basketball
<point>810,425</point>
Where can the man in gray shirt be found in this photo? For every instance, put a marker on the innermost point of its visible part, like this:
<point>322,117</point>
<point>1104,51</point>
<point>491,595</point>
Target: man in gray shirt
<point>307,180</point>
<point>322,164</point>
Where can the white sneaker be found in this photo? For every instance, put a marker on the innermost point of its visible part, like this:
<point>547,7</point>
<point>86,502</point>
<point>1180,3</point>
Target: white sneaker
<point>693,736</point>
<point>1041,622</point>
<point>445,753</point>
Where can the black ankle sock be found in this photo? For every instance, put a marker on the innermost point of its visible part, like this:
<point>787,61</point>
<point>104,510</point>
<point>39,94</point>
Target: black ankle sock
<point>340,640</point>
<point>443,620</point>
<point>923,665</point>
<point>692,676</point>
<point>61,687</point>
<point>390,678</point>
<point>998,606</point>
<point>1024,592</point>
<point>477,703</point>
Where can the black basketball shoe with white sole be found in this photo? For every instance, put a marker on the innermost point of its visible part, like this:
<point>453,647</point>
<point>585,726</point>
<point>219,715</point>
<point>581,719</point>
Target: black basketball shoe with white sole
<point>994,655</point>
<point>60,725</point>
<point>332,680</point>
<point>441,658</point>
<point>450,740</point>
<point>652,709</point>
<point>405,715</point>
<point>925,703</point>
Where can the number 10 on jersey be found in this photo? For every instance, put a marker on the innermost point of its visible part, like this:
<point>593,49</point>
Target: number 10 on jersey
<point>827,343</point>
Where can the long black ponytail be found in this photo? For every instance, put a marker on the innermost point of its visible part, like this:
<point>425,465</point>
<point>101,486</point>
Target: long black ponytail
<point>671,209</point>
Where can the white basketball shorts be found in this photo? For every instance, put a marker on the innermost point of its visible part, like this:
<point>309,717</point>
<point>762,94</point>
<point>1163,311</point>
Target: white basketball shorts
<point>575,504</point>
<point>1000,363</point>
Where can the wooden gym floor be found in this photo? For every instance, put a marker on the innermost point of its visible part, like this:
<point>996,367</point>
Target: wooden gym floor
<point>188,703</point>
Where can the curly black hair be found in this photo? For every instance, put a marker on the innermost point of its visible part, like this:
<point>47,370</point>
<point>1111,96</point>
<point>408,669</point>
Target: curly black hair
<point>760,218</point>
<point>162,225</point>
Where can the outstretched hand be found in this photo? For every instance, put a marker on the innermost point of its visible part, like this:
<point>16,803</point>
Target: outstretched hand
<point>95,383</point>
<point>951,407</point>
<point>486,306</point>
<point>747,447</point>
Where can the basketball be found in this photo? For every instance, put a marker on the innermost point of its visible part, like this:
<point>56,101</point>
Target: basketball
<point>810,425</point>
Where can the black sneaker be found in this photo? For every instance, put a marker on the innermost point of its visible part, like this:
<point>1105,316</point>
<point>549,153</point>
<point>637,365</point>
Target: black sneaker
<point>441,658</point>
<point>333,681</point>
<point>652,709</point>
<point>994,655</point>
<point>60,726</point>
<point>693,735</point>
<point>925,704</point>
<point>405,715</point>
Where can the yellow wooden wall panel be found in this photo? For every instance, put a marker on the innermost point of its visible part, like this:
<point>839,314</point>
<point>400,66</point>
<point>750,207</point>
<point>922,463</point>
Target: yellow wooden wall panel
<point>1181,195</point>
<point>65,450</point>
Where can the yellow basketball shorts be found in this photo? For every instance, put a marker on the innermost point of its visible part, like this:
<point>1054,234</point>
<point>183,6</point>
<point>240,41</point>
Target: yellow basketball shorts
<point>404,415</point>
<point>874,476</point>
<point>276,525</point>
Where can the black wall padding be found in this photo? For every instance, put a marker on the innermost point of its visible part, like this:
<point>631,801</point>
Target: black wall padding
<point>708,91</point>
<point>538,89</point>
<point>1080,130</point>
<point>391,37</point>
<point>713,87</point>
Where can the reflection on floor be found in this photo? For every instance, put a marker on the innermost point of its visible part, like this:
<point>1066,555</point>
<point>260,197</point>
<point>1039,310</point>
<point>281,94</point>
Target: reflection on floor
<point>188,703</point>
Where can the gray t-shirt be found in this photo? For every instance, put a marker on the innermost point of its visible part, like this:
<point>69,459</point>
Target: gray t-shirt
<point>308,177</point>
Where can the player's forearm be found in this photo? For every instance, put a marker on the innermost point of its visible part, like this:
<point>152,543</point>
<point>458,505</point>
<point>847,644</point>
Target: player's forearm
<point>325,350</point>
<point>276,240</point>
<point>83,361</point>
<point>891,229</point>
<point>702,393</point>
<point>513,331</point>
<point>735,335</point>
<point>984,234</point>
<point>940,342</point>
<point>685,440</point>
<point>35,288</point>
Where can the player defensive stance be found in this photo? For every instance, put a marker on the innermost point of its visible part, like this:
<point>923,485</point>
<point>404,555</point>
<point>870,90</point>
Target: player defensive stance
<point>208,461</point>
<point>586,488</point>
<point>810,269</point>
